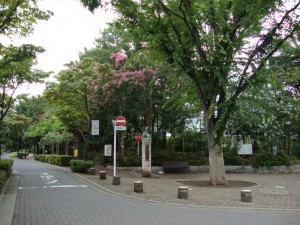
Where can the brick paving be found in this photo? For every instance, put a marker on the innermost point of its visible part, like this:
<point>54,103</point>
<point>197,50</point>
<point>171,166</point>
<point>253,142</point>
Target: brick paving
<point>272,191</point>
<point>45,198</point>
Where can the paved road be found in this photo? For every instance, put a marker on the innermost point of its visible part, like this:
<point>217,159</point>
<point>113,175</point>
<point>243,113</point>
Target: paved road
<point>50,196</point>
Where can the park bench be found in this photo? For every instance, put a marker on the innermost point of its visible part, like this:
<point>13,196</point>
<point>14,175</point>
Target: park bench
<point>175,165</point>
<point>22,155</point>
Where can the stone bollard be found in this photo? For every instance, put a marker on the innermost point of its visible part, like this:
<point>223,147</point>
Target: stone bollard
<point>138,186</point>
<point>246,195</point>
<point>116,180</point>
<point>102,175</point>
<point>183,192</point>
<point>92,171</point>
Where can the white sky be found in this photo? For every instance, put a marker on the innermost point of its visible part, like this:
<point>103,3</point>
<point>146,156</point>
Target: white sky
<point>64,35</point>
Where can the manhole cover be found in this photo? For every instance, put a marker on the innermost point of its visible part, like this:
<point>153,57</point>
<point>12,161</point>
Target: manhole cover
<point>231,184</point>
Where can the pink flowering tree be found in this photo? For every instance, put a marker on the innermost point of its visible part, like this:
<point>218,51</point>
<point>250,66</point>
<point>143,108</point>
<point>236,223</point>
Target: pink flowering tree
<point>134,85</point>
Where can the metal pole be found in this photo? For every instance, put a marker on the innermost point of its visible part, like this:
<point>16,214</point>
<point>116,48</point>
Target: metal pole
<point>115,143</point>
<point>138,153</point>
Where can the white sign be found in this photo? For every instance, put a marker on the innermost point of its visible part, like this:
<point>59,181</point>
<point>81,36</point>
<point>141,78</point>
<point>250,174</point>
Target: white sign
<point>245,149</point>
<point>120,128</point>
<point>107,150</point>
<point>95,127</point>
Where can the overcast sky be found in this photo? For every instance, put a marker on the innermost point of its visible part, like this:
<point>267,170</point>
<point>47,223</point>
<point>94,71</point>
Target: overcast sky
<point>64,35</point>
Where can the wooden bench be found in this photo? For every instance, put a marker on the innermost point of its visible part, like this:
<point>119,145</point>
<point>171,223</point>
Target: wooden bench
<point>22,155</point>
<point>175,165</point>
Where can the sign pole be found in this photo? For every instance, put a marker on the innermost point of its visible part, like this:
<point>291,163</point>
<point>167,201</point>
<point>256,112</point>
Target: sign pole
<point>115,143</point>
<point>138,153</point>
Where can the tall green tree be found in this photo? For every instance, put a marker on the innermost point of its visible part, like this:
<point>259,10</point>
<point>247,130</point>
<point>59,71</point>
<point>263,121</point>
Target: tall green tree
<point>222,45</point>
<point>17,17</point>
<point>78,97</point>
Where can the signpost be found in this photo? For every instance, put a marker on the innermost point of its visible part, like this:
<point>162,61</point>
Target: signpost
<point>138,138</point>
<point>118,124</point>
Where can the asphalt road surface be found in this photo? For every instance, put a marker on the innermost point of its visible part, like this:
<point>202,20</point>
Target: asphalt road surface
<point>48,195</point>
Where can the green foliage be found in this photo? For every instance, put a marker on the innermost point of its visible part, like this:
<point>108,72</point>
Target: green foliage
<point>40,129</point>
<point>13,154</point>
<point>41,158</point>
<point>194,158</point>
<point>80,166</point>
<point>19,17</point>
<point>33,107</point>
<point>232,158</point>
<point>130,161</point>
<point>2,178</point>
<point>296,149</point>
<point>268,159</point>
<point>59,160</point>
<point>6,165</point>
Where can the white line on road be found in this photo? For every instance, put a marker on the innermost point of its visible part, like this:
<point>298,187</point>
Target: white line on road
<point>55,186</point>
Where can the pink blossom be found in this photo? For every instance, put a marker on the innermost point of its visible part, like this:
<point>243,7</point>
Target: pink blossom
<point>120,58</point>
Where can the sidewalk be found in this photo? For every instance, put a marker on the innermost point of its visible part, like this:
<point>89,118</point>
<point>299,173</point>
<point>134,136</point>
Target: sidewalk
<point>272,191</point>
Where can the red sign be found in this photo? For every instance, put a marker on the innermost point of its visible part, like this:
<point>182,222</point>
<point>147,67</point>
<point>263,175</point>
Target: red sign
<point>138,137</point>
<point>121,121</point>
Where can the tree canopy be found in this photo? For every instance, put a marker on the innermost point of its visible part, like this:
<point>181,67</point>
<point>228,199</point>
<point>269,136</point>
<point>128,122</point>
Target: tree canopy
<point>223,46</point>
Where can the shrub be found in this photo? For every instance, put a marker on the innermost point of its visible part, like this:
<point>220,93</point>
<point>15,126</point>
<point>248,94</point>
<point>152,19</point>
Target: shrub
<point>63,160</point>
<point>233,159</point>
<point>42,158</point>
<point>59,160</point>
<point>80,166</point>
<point>130,160</point>
<point>2,178</point>
<point>6,165</point>
<point>283,159</point>
<point>268,159</point>
<point>13,155</point>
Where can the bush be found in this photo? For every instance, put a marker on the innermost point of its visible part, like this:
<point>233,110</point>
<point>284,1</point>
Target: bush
<point>80,166</point>
<point>268,159</point>
<point>63,160</point>
<point>233,159</point>
<point>130,160</point>
<point>37,157</point>
<point>42,158</point>
<point>13,155</point>
<point>2,178</point>
<point>6,165</point>
<point>59,160</point>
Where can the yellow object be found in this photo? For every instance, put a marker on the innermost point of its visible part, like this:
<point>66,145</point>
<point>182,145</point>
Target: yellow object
<point>76,152</point>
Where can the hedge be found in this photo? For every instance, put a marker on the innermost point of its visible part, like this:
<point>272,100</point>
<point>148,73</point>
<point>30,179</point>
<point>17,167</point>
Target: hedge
<point>80,166</point>
<point>59,160</point>
<point>6,165</point>
<point>268,159</point>
<point>5,170</point>
<point>2,178</point>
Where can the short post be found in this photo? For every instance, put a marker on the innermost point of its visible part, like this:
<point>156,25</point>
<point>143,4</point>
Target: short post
<point>92,171</point>
<point>246,196</point>
<point>183,192</point>
<point>138,186</point>
<point>116,180</point>
<point>102,175</point>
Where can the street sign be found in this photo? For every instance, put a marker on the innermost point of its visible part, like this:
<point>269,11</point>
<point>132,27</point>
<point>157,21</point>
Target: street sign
<point>107,150</point>
<point>120,128</point>
<point>138,137</point>
<point>121,121</point>
<point>95,127</point>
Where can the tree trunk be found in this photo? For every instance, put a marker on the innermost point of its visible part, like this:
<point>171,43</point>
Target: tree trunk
<point>216,160</point>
